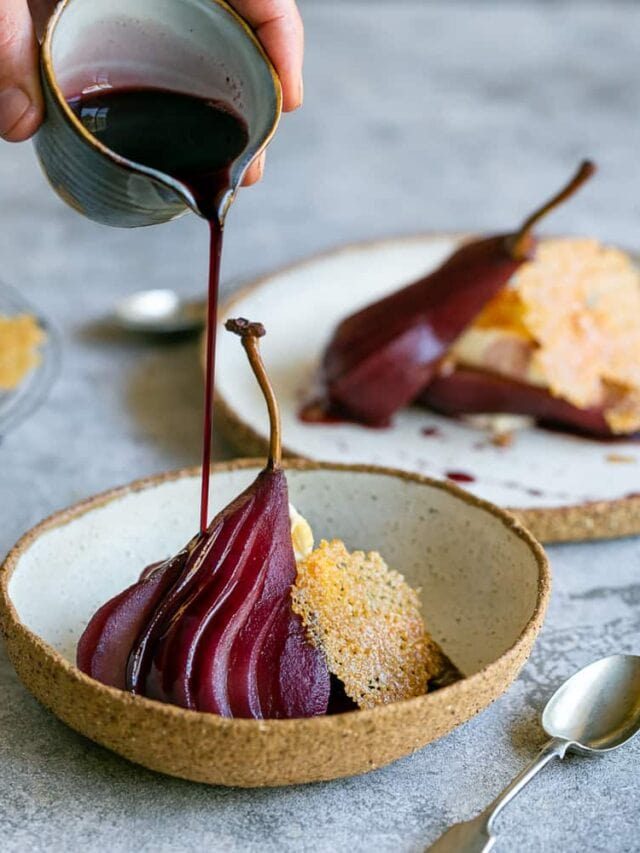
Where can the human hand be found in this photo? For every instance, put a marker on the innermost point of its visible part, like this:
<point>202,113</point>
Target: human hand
<point>277,23</point>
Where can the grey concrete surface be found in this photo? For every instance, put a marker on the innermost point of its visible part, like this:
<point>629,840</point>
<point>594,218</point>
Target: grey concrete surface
<point>417,116</point>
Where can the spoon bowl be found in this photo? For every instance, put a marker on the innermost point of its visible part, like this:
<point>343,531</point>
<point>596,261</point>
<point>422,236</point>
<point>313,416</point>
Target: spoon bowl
<point>598,708</point>
<point>159,312</point>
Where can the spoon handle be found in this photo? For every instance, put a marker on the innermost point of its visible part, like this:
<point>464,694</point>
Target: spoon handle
<point>476,835</point>
<point>555,748</point>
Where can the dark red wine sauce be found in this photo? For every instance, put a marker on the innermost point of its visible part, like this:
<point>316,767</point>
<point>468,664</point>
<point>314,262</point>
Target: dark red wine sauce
<point>194,140</point>
<point>215,252</point>
<point>460,477</point>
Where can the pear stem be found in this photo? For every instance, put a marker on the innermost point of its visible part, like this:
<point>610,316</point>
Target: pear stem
<point>250,333</point>
<point>519,244</point>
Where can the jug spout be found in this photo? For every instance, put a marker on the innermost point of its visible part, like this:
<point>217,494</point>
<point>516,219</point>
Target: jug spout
<point>208,209</point>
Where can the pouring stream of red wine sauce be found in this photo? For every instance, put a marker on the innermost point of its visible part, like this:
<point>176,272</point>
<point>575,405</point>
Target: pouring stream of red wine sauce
<point>195,141</point>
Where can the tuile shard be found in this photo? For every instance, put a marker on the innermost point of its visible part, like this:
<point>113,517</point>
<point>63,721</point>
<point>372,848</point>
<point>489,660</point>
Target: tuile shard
<point>213,629</point>
<point>380,358</point>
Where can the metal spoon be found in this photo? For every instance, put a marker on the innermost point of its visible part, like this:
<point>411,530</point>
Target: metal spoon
<point>160,312</point>
<point>595,711</point>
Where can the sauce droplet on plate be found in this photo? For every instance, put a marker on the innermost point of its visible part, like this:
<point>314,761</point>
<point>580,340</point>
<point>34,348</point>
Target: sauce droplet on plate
<point>460,477</point>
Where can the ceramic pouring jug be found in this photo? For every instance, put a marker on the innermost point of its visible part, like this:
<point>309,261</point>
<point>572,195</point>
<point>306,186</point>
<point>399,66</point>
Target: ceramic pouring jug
<point>199,47</point>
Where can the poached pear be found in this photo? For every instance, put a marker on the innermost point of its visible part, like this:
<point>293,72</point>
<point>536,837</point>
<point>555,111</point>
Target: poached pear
<point>382,357</point>
<point>469,392</point>
<point>213,629</point>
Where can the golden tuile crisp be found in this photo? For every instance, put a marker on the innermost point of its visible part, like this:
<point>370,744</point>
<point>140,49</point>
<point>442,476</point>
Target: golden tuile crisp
<point>505,311</point>
<point>623,408</point>
<point>580,303</point>
<point>367,621</point>
<point>20,337</point>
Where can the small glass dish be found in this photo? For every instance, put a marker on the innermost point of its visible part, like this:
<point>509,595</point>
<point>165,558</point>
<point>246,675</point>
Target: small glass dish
<point>18,403</point>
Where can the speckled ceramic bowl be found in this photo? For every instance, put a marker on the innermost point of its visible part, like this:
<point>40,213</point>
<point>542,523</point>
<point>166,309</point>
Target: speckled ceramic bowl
<point>484,581</point>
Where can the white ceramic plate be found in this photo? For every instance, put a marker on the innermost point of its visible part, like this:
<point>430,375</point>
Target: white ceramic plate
<point>565,487</point>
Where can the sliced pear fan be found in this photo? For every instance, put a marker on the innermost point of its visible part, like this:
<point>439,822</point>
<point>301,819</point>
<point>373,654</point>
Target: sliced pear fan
<point>213,629</point>
<point>218,628</point>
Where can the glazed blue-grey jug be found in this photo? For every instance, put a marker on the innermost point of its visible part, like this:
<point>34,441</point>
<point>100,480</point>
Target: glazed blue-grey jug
<point>199,47</point>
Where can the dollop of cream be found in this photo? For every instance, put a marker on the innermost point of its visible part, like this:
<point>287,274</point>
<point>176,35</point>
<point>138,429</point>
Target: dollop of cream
<point>301,534</point>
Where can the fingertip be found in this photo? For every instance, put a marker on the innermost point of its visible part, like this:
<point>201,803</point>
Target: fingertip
<point>21,103</point>
<point>293,96</point>
<point>290,63</point>
<point>24,126</point>
<point>250,178</point>
<point>280,29</point>
<point>255,171</point>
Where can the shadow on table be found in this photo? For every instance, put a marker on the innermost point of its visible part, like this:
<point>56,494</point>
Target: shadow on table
<point>164,389</point>
<point>164,396</point>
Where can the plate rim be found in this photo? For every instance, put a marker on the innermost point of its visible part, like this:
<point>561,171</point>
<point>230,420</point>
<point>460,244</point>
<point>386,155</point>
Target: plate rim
<point>587,521</point>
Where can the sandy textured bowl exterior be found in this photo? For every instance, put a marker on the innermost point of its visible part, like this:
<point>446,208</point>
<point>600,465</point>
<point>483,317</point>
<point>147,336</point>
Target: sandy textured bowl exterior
<point>248,753</point>
<point>589,520</point>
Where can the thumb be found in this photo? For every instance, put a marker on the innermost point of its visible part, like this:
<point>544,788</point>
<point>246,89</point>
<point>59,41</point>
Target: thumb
<point>21,107</point>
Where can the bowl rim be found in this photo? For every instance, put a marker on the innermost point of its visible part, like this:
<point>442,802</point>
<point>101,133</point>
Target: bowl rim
<point>576,522</point>
<point>10,620</point>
